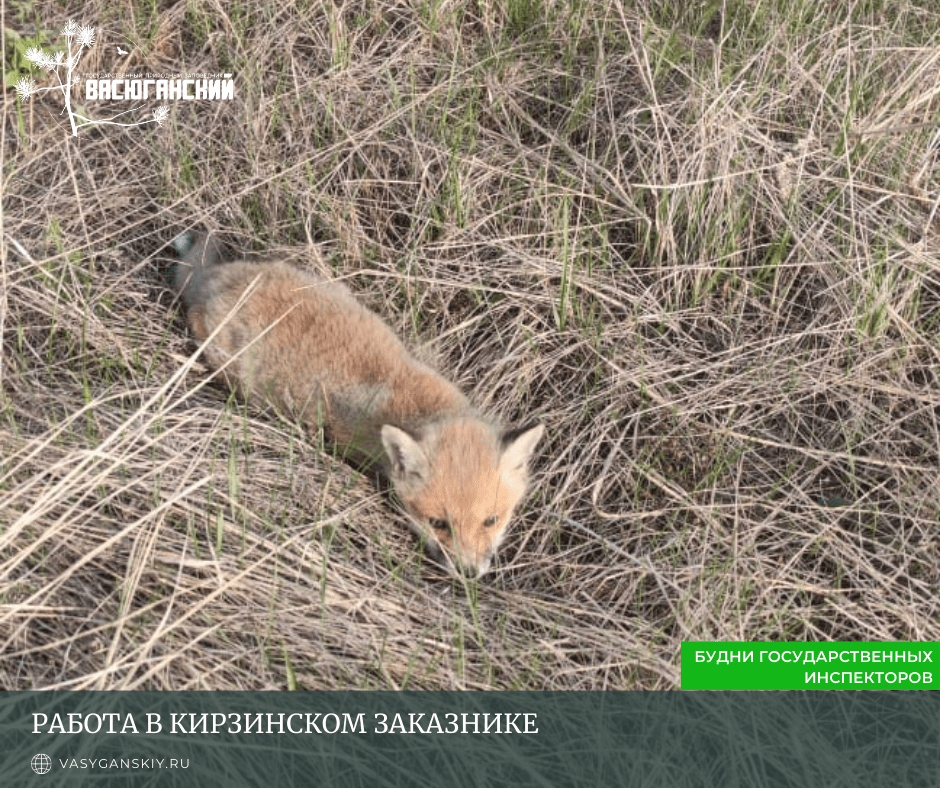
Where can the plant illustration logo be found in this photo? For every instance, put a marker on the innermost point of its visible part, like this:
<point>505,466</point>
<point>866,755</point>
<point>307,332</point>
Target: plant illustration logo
<point>77,38</point>
<point>41,763</point>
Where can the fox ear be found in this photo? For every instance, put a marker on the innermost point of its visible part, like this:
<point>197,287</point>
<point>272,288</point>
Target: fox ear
<point>519,444</point>
<point>407,460</point>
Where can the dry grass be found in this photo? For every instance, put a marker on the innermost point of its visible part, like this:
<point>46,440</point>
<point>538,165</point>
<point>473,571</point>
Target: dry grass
<point>703,249</point>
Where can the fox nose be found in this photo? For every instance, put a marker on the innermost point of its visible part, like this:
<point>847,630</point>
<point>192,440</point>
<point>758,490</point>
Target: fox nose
<point>474,569</point>
<point>468,570</point>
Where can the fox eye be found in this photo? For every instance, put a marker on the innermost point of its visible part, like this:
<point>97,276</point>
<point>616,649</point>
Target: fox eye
<point>439,525</point>
<point>489,522</point>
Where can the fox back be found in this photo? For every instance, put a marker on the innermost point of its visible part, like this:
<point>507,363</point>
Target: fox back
<point>307,346</point>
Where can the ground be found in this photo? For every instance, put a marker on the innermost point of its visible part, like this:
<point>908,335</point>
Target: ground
<point>698,241</point>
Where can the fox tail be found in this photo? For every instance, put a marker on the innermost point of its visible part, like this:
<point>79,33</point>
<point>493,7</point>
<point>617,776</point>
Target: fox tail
<point>198,252</point>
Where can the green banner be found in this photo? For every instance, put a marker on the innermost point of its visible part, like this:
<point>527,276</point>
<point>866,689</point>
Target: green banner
<point>810,666</point>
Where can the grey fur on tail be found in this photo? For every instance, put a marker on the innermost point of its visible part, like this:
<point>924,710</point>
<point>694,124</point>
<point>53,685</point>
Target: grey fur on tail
<point>198,252</point>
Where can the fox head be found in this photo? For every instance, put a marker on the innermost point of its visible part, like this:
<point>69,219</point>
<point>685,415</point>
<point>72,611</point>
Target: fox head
<point>459,482</point>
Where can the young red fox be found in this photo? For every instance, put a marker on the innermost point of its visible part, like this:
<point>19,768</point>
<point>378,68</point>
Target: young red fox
<point>307,346</point>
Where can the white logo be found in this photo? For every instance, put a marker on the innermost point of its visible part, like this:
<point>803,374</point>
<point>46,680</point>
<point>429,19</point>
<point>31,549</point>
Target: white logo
<point>41,763</point>
<point>77,37</point>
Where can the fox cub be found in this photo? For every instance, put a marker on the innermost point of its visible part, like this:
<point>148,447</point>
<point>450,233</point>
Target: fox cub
<point>307,346</point>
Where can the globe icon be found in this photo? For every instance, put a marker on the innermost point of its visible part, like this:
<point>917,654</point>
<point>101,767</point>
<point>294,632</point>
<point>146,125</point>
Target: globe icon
<point>41,763</point>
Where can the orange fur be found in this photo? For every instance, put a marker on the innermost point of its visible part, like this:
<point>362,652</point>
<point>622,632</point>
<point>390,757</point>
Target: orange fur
<point>307,346</point>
